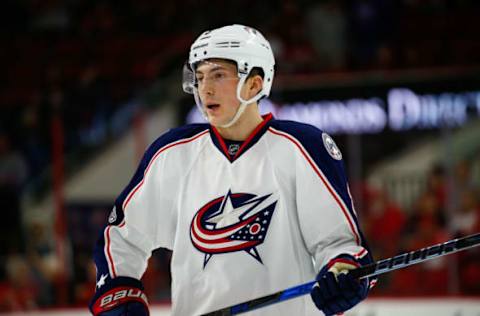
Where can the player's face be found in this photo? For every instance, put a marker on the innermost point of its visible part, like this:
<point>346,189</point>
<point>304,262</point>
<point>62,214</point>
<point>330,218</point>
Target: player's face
<point>217,87</point>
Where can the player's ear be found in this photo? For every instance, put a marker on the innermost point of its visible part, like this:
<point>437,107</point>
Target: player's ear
<point>255,84</point>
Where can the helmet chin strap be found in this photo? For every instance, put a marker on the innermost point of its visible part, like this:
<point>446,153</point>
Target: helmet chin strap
<point>241,108</point>
<point>243,103</point>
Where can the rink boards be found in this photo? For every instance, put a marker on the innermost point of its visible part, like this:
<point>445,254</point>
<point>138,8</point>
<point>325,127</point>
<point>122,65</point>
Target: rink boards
<point>371,307</point>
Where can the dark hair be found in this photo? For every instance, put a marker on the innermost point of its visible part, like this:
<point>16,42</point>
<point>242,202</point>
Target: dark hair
<point>256,71</point>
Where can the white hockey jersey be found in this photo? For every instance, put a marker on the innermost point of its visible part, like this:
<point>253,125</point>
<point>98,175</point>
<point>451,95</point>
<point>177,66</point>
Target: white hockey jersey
<point>240,226</point>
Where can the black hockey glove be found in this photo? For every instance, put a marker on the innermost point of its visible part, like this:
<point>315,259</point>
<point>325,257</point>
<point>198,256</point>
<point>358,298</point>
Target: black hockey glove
<point>121,296</point>
<point>336,291</point>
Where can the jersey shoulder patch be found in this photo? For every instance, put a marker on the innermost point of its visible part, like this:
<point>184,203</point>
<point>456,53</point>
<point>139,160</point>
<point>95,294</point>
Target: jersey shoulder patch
<point>331,147</point>
<point>311,137</point>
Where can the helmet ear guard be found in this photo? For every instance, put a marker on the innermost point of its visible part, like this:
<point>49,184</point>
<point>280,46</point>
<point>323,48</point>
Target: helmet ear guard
<point>241,44</point>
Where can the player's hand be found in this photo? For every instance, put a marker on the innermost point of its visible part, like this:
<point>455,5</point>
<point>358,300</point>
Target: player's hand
<point>122,296</point>
<point>336,291</point>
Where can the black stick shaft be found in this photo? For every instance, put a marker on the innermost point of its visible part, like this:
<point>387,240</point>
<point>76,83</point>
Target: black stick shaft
<point>417,256</point>
<point>373,269</point>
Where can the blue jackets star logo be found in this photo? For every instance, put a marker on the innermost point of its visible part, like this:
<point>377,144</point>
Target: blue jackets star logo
<point>231,223</point>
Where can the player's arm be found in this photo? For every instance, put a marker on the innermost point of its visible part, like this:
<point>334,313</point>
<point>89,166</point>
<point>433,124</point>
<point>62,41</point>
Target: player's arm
<point>139,223</point>
<point>121,256</point>
<point>329,225</point>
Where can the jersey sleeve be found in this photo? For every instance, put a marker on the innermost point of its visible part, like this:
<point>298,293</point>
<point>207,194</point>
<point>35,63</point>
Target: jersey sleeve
<point>132,231</point>
<point>327,217</point>
<point>143,217</point>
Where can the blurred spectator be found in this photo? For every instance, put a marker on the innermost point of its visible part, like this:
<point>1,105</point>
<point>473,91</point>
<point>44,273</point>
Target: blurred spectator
<point>475,171</point>
<point>428,222</point>
<point>87,111</point>
<point>364,29</point>
<point>327,29</point>
<point>84,288</point>
<point>466,220</point>
<point>385,223</point>
<point>157,277</point>
<point>299,54</point>
<point>13,169</point>
<point>469,271</point>
<point>19,291</point>
<point>43,261</point>
<point>437,184</point>
<point>13,173</point>
<point>463,176</point>
<point>34,136</point>
<point>426,226</point>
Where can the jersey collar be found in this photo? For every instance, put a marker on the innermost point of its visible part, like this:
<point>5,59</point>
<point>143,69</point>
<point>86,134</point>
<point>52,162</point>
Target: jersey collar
<point>249,142</point>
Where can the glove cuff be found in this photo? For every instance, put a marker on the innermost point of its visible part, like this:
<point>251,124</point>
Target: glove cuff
<point>117,292</point>
<point>345,260</point>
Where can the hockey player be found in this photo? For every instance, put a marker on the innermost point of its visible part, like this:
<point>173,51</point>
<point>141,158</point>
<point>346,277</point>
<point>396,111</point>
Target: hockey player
<point>249,205</point>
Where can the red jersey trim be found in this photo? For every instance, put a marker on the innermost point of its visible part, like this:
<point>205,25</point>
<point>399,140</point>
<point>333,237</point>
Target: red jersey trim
<point>323,179</point>
<point>107,250</point>
<point>266,118</point>
<point>180,142</point>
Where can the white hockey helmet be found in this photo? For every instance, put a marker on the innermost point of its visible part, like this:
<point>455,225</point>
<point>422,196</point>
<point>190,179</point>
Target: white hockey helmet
<point>241,44</point>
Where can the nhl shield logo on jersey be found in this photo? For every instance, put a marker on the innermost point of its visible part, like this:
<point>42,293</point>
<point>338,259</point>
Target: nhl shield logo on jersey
<point>233,149</point>
<point>231,223</point>
<point>331,147</point>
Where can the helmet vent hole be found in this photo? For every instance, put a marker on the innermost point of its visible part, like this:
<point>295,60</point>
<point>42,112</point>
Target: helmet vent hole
<point>227,44</point>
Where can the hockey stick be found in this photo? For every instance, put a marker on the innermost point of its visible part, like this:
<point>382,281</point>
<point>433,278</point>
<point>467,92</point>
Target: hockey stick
<point>373,269</point>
